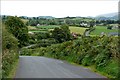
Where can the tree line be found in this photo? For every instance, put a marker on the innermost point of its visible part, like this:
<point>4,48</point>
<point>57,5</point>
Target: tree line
<point>71,21</point>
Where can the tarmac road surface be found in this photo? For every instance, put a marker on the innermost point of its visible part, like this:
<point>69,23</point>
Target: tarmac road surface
<point>43,67</point>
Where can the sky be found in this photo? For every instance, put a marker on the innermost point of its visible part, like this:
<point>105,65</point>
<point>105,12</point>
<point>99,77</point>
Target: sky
<point>58,8</point>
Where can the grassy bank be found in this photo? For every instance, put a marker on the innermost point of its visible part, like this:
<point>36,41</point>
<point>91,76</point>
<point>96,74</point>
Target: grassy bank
<point>13,71</point>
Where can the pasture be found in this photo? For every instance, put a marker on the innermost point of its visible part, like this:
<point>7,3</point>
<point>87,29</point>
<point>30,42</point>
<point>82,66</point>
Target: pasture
<point>47,26</point>
<point>78,30</point>
<point>34,29</point>
<point>31,28</point>
<point>25,20</point>
<point>99,29</point>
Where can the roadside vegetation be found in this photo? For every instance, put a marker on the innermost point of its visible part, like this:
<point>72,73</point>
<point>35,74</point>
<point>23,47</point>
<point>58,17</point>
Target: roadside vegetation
<point>9,52</point>
<point>16,27</point>
<point>100,52</point>
<point>14,37</point>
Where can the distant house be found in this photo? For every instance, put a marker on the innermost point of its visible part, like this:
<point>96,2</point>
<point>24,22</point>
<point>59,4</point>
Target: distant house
<point>84,24</point>
<point>30,32</point>
<point>38,24</point>
<point>115,27</point>
<point>95,25</point>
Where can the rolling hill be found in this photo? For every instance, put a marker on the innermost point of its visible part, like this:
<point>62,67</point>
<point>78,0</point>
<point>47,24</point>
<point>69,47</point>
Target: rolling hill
<point>109,16</point>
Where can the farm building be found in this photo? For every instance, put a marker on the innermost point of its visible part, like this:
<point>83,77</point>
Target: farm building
<point>115,27</point>
<point>84,24</point>
<point>38,24</point>
<point>30,32</point>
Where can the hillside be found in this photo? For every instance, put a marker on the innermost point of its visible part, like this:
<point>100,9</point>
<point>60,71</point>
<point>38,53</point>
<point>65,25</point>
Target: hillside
<point>47,17</point>
<point>111,16</point>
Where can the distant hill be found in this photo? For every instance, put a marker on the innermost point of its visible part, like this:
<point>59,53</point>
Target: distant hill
<point>109,16</point>
<point>47,17</point>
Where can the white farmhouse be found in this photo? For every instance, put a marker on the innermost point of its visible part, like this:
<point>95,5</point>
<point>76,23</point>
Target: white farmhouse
<point>30,32</point>
<point>38,24</point>
<point>83,24</point>
<point>115,27</point>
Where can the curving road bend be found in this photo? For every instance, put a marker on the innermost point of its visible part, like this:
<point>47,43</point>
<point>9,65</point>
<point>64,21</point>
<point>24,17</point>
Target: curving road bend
<point>42,67</point>
<point>87,33</point>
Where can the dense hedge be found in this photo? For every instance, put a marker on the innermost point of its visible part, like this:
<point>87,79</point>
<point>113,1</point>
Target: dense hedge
<point>100,52</point>
<point>19,30</point>
<point>9,52</point>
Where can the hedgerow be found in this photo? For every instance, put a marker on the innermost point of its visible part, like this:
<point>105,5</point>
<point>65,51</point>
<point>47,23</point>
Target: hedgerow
<point>102,52</point>
<point>9,52</point>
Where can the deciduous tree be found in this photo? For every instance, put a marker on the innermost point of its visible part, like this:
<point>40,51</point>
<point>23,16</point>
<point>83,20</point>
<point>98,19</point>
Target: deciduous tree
<point>18,29</point>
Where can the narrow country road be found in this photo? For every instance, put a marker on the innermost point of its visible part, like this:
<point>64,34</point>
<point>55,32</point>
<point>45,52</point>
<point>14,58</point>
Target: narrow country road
<point>42,67</point>
<point>87,33</point>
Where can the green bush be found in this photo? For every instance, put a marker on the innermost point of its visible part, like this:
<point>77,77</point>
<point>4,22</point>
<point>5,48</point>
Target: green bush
<point>62,34</point>
<point>109,27</point>
<point>19,30</point>
<point>9,51</point>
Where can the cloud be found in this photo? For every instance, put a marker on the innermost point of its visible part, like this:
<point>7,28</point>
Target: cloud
<point>58,8</point>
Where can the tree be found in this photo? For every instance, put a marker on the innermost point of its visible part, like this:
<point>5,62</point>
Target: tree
<point>92,23</point>
<point>65,29</point>
<point>109,27</point>
<point>62,34</point>
<point>18,29</point>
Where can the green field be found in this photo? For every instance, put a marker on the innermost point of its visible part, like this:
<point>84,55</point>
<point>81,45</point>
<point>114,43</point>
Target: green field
<point>31,28</point>
<point>99,29</point>
<point>41,28</point>
<point>48,27</point>
<point>78,30</point>
<point>39,31</point>
<point>83,19</point>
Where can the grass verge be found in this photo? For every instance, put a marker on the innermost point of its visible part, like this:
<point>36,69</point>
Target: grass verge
<point>13,71</point>
<point>93,69</point>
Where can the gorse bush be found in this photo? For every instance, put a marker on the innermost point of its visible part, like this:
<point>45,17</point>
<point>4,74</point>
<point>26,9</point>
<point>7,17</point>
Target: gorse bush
<point>102,52</point>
